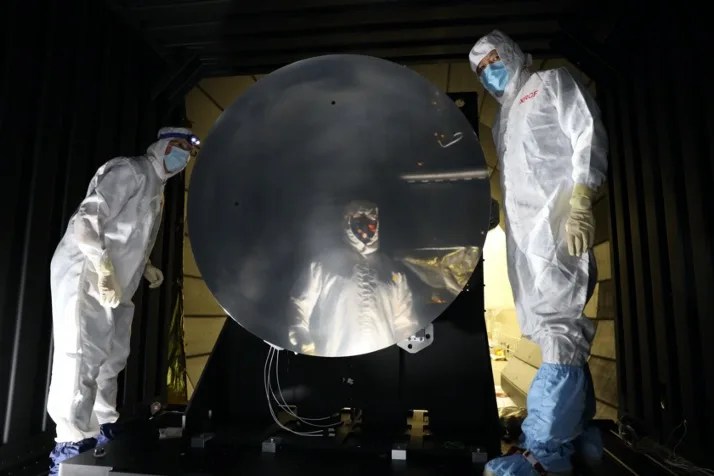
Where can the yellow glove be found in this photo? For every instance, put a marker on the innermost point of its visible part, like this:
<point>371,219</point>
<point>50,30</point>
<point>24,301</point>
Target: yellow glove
<point>580,227</point>
<point>107,285</point>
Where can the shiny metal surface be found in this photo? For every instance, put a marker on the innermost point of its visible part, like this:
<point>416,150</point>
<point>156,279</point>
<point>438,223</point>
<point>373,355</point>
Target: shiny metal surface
<point>270,188</point>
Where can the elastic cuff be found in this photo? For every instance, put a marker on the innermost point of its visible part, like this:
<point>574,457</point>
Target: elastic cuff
<point>582,197</point>
<point>105,264</point>
<point>561,350</point>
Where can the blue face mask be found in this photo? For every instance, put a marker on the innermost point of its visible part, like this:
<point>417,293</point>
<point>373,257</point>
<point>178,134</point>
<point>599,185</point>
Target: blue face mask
<point>495,77</point>
<point>176,160</point>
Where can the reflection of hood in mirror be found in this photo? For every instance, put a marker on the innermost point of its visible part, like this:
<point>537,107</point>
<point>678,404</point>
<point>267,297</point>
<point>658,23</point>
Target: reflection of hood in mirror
<point>513,58</point>
<point>361,226</point>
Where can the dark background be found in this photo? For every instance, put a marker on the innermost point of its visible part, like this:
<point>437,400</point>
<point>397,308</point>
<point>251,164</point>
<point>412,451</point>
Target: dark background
<point>83,81</point>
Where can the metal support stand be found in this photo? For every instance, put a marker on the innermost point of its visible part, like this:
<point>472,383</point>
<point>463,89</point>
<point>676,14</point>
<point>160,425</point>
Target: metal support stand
<point>271,445</point>
<point>351,419</point>
<point>417,431</point>
<point>419,341</point>
<point>200,441</point>
<point>418,424</point>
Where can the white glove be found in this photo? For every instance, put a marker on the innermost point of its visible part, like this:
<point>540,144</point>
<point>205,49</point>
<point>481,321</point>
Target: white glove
<point>300,337</point>
<point>153,275</point>
<point>109,290</point>
<point>580,227</point>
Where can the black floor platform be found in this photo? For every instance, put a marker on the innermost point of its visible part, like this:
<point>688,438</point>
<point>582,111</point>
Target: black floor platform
<point>171,457</point>
<point>240,453</point>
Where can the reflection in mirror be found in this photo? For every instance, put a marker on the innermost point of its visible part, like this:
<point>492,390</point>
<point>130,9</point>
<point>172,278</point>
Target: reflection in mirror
<point>352,300</point>
<point>267,215</point>
<point>444,268</point>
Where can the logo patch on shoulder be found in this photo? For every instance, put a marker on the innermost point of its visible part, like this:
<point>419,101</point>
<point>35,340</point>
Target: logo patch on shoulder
<point>528,96</point>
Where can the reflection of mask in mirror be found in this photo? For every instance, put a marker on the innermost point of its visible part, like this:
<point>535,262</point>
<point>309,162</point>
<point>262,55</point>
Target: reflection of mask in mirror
<point>363,227</point>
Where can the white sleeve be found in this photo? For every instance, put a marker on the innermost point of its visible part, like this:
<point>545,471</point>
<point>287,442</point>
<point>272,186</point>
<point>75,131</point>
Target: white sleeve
<point>403,303</point>
<point>579,119</point>
<point>496,130</point>
<point>108,193</point>
<point>303,303</point>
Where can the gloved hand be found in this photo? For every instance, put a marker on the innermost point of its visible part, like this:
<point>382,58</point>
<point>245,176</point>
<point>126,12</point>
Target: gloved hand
<point>580,227</point>
<point>108,286</point>
<point>153,275</point>
<point>300,337</point>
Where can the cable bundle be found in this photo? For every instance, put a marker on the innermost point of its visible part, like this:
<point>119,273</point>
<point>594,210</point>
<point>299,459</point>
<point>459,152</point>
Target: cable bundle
<point>271,370</point>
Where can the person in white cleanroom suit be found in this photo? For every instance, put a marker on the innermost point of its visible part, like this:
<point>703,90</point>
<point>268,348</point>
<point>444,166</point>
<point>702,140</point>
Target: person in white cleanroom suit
<point>95,271</point>
<point>351,301</point>
<point>552,150</point>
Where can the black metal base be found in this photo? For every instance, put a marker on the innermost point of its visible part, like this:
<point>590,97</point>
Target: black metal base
<point>243,451</point>
<point>237,453</point>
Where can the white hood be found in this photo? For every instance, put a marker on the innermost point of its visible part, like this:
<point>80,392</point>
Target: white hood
<point>513,58</point>
<point>156,154</point>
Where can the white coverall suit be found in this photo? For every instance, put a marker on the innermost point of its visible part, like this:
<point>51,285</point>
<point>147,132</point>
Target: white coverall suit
<point>119,220</point>
<point>550,142</point>
<point>351,301</point>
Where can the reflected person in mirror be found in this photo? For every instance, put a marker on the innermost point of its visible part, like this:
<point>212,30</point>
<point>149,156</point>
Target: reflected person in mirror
<point>351,301</point>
